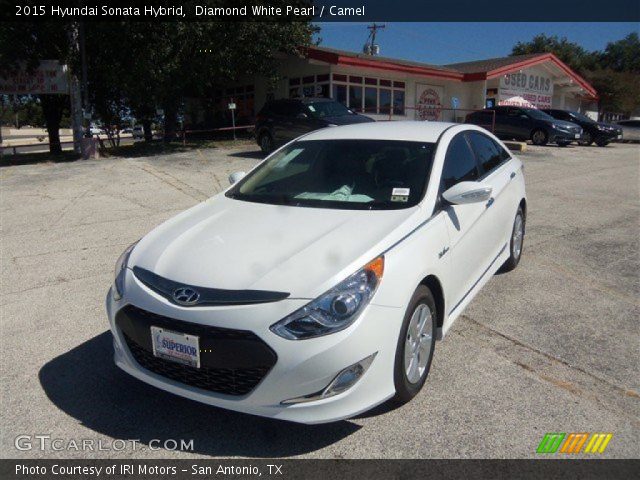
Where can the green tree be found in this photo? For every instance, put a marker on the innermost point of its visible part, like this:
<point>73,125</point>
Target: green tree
<point>613,72</point>
<point>570,53</point>
<point>623,55</point>
<point>134,68</point>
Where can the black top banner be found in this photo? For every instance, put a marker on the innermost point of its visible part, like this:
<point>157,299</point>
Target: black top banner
<point>323,10</point>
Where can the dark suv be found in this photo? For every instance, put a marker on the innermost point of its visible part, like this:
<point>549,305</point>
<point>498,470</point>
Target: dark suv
<point>280,121</point>
<point>601,133</point>
<point>522,123</point>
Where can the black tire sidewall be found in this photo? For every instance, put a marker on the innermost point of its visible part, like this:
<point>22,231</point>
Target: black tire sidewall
<point>405,390</point>
<point>263,135</point>
<point>512,262</point>
<point>546,137</point>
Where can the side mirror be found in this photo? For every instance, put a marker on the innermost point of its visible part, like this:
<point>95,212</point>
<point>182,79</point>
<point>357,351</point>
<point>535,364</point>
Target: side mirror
<point>236,177</point>
<point>301,116</point>
<point>467,192</point>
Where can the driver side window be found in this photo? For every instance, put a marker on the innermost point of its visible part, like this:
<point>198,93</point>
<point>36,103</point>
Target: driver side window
<point>459,163</point>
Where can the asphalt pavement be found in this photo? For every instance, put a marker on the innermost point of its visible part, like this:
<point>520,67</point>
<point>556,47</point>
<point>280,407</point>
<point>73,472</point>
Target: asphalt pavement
<point>550,347</point>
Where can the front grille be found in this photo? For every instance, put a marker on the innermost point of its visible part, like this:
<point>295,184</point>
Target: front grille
<point>232,362</point>
<point>230,381</point>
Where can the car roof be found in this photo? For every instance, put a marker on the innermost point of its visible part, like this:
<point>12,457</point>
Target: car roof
<point>413,131</point>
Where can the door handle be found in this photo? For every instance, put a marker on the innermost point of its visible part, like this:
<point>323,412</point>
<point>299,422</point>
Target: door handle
<point>490,202</point>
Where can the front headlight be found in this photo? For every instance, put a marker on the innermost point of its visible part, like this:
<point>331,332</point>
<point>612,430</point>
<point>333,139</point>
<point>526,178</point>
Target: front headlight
<point>334,310</point>
<point>120,271</point>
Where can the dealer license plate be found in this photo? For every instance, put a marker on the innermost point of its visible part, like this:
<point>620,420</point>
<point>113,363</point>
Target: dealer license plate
<point>175,346</point>
<point>577,135</point>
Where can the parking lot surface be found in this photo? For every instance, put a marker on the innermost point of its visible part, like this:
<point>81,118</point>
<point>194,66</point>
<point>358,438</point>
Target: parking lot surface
<point>550,347</point>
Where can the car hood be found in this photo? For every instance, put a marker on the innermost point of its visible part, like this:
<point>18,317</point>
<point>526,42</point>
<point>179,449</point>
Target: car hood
<point>231,244</point>
<point>347,119</point>
<point>565,124</point>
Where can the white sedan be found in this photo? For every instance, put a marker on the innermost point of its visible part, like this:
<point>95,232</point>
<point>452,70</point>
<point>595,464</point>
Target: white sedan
<point>314,288</point>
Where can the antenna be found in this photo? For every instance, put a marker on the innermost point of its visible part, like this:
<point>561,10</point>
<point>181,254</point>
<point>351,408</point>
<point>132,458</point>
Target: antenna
<point>370,48</point>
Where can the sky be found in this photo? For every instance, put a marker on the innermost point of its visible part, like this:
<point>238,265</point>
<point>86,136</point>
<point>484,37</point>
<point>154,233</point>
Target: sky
<point>442,43</point>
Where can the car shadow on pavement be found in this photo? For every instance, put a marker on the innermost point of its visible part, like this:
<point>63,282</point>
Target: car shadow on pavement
<point>257,154</point>
<point>86,384</point>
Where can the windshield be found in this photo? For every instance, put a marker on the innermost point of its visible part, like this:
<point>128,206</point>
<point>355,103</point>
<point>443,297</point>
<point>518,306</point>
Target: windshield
<point>327,109</point>
<point>583,117</point>
<point>348,174</point>
<point>537,114</point>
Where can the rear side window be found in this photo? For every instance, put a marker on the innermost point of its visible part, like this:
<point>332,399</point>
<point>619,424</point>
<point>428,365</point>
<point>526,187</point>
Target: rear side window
<point>291,109</point>
<point>459,163</point>
<point>489,154</point>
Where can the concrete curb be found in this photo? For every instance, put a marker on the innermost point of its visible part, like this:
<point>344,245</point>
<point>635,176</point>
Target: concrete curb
<point>516,146</point>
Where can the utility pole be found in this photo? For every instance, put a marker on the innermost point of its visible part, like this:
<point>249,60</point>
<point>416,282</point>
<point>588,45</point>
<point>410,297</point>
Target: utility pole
<point>83,59</point>
<point>370,46</point>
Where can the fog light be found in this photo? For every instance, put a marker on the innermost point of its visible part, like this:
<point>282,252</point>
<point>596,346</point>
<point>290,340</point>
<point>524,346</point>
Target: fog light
<point>342,382</point>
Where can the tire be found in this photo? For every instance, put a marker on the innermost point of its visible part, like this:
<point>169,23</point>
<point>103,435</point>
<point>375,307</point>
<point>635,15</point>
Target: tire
<point>586,139</point>
<point>602,142</point>
<point>265,140</point>
<point>515,245</point>
<point>409,380</point>
<point>539,137</point>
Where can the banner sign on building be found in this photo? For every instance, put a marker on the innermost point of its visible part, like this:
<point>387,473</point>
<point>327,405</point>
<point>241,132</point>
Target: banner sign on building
<point>49,77</point>
<point>525,90</point>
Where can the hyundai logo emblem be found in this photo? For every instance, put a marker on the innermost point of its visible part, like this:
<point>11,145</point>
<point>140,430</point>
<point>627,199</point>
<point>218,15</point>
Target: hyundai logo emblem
<point>185,296</point>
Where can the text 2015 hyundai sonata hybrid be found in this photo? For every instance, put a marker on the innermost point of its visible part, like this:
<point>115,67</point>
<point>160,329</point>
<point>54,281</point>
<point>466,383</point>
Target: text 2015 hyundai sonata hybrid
<point>314,288</point>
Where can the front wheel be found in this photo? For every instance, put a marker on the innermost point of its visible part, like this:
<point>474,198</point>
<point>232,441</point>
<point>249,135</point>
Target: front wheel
<point>266,142</point>
<point>416,343</point>
<point>516,243</point>
<point>539,137</point>
<point>601,142</point>
<point>586,139</point>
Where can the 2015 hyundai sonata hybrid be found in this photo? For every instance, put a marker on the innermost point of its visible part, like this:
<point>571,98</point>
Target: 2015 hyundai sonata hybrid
<point>315,287</point>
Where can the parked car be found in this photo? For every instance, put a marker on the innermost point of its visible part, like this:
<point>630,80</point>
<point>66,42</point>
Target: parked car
<point>95,130</point>
<point>630,130</point>
<point>126,130</point>
<point>523,124</point>
<point>314,288</point>
<point>600,133</point>
<point>280,121</point>
<point>137,131</point>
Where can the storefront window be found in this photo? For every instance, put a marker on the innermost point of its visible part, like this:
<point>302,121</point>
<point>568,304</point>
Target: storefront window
<point>340,93</point>
<point>322,90</point>
<point>355,98</point>
<point>376,96</point>
<point>370,100</point>
<point>398,102</point>
<point>385,101</point>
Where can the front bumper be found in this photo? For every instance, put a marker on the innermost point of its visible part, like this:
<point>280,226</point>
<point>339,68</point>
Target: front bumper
<point>302,367</point>
<point>562,136</point>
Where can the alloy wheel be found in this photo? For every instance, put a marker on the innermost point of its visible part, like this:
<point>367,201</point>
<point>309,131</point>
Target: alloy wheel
<point>538,137</point>
<point>517,236</point>
<point>265,143</point>
<point>418,343</point>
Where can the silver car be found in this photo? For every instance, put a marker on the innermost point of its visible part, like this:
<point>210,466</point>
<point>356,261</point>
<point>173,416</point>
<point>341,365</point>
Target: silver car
<point>630,130</point>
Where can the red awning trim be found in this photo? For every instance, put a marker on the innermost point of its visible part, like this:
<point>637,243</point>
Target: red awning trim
<point>354,61</point>
<point>530,63</point>
<point>357,61</point>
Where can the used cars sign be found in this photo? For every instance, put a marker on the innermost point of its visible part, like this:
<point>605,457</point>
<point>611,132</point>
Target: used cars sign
<point>526,90</point>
